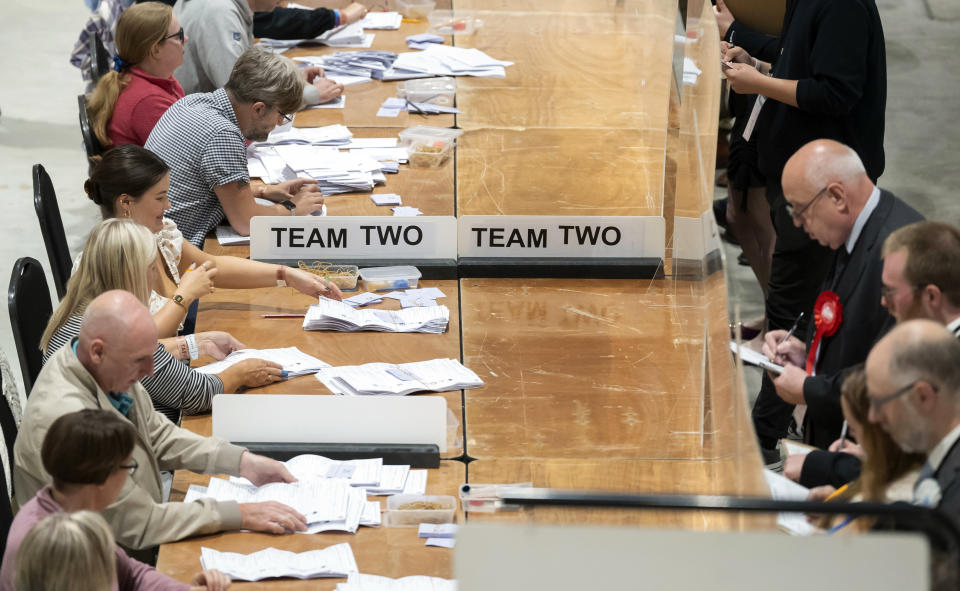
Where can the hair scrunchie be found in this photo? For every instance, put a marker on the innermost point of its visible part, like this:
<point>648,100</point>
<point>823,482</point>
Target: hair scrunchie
<point>119,63</point>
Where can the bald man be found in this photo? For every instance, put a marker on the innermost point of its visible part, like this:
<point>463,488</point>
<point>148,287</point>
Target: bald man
<point>831,197</point>
<point>100,370</point>
<point>913,383</point>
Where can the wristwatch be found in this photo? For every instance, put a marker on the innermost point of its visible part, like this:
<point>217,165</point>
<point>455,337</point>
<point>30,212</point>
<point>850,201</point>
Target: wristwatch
<point>289,205</point>
<point>178,300</point>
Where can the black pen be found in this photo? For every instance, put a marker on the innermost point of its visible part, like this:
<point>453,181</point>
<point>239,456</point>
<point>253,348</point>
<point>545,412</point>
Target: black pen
<point>416,108</point>
<point>792,330</point>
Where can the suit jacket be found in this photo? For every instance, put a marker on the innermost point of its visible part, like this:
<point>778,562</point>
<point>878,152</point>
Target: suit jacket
<point>948,477</point>
<point>864,320</point>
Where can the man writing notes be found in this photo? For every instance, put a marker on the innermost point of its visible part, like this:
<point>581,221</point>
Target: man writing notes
<point>100,370</point>
<point>831,197</point>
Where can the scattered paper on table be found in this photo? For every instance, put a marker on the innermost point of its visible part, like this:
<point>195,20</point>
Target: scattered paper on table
<point>386,198</point>
<point>386,21</point>
<point>441,542</point>
<point>227,236</point>
<point>404,211</point>
<point>337,103</point>
<point>437,530</point>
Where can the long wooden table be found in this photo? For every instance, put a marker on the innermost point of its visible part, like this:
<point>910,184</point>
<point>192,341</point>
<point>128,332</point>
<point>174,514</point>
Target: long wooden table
<point>613,385</point>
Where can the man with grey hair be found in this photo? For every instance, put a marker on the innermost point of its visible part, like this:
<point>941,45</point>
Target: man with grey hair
<point>913,383</point>
<point>829,194</point>
<point>202,138</point>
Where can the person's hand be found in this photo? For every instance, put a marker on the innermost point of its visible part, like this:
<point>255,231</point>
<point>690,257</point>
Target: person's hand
<point>197,281</point>
<point>252,373</point>
<point>848,447</point>
<point>793,465</point>
<point>735,54</point>
<point>210,580</point>
<point>820,493</point>
<point>724,17</point>
<point>262,470</point>
<point>789,384</point>
<point>327,89</point>
<point>792,351</point>
<point>217,344</point>
<point>271,517</point>
<point>744,79</point>
<point>352,13</point>
<point>312,285</point>
<point>288,189</point>
<point>307,202</point>
<point>311,73</point>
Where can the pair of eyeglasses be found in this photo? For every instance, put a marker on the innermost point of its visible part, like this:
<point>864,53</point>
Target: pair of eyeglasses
<point>877,403</point>
<point>178,35</point>
<point>285,118</point>
<point>798,214</point>
<point>130,468</point>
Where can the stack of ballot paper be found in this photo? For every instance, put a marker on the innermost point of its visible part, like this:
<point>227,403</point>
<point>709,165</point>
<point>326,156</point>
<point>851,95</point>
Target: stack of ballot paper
<point>385,379</point>
<point>362,299</point>
<point>328,135</point>
<point>369,474</point>
<point>356,64</point>
<point>445,60</point>
<point>385,21</point>
<point>386,199</point>
<point>422,40</point>
<point>410,298</point>
<point>330,314</point>
<point>358,582</point>
<point>293,361</point>
<point>784,489</point>
<point>393,105</point>
<point>332,562</point>
<point>335,171</point>
<point>351,35</point>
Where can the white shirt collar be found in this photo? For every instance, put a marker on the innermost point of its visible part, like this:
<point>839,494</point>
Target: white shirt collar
<point>940,451</point>
<point>954,326</point>
<point>861,220</point>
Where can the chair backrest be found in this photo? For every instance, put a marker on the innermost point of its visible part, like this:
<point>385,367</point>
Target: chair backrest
<point>99,58</point>
<point>90,141</point>
<point>28,301</point>
<point>51,226</point>
<point>9,426</point>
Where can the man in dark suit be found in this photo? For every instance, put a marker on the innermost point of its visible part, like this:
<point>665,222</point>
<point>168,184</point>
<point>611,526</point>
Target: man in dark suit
<point>830,195</point>
<point>913,382</point>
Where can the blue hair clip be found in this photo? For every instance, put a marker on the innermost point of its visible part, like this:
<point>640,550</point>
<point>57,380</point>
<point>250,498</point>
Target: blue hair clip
<point>119,63</point>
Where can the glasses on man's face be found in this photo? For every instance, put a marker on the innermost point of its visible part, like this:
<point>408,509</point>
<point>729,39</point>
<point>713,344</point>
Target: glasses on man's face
<point>178,35</point>
<point>284,118</point>
<point>877,403</point>
<point>887,292</point>
<point>130,468</point>
<point>798,214</point>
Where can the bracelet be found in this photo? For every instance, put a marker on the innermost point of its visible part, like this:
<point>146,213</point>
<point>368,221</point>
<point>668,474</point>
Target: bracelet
<point>336,16</point>
<point>756,64</point>
<point>184,351</point>
<point>178,300</point>
<point>281,276</point>
<point>192,346</point>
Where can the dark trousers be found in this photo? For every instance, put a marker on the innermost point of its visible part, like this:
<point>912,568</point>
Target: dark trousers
<point>799,268</point>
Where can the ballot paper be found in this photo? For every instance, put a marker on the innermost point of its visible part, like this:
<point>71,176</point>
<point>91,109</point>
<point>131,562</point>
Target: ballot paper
<point>359,582</point>
<point>328,135</point>
<point>386,21</point>
<point>792,448</point>
<point>227,236</point>
<point>337,103</point>
<point>367,64</point>
<point>293,361</point>
<point>423,40</point>
<point>335,172</point>
<point>358,473</point>
<point>330,314</point>
<point>403,211</point>
<point>751,357</point>
<point>437,530</point>
<point>386,199</point>
<point>351,35</point>
<point>372,514</point>
<point>397,104</point>
<point>441,542</point>
<point>445,60</point>
<point>363,299</point>
<point>784,489</point>
<point>373,143</point>
<point>386,379</point>
<point>347,80</point>
<point>335,561</point>
<point>400,480</point>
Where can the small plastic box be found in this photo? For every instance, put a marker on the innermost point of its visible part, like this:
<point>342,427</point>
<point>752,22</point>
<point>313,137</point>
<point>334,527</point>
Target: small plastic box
<point>414,8</point>
<point>384,278</point>
<point>343,276</point>
<point>428,147</point>
<point>435,91</point>
<point>397,517</point>
<point>454,22</point>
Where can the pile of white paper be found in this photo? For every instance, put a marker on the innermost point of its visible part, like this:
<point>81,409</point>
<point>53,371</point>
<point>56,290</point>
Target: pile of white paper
<point>444,60</point>
<point>404,211</point>
<point>293,361</point>
<point>358,582</point>
<point>356,64</point>
<point>330,314</point>
<point>393,105</point>
<point>332,562</point>
<point>386,379</point>
<point>362,299</point>
<point>386,21</point>
<point>351,35</point>
<point>784,489</point>
<point>335,171</point>
<point>328,135</point>
<point>369,474</point>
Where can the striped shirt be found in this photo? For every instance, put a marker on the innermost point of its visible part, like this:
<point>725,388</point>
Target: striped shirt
<point>200,140</point>
<point>173,387</point>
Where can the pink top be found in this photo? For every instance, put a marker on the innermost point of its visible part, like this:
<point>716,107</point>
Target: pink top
<point>131,574</point>
<point>140,105</point>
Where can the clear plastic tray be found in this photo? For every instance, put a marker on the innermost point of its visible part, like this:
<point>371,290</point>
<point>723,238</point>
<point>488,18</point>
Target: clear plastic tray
<point>436,91</point>
<point>343,276</point>
<point>414,8</point>
<point>428,146</point>
<point>454,22</point>
<point>384,278</point>
<point>396,517</point>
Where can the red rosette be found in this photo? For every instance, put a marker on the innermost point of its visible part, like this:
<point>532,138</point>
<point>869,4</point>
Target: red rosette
<point>827,316</point>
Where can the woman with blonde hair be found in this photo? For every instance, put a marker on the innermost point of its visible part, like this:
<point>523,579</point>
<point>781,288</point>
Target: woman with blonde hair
<point>67,551</point>
<point>128,102</point>
<point>122,254</point>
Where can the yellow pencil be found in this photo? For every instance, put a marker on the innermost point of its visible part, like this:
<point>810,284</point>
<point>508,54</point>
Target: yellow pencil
<point>837,492</point>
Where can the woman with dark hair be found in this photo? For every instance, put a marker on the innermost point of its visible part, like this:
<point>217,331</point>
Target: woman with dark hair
<point>132,182</point>
<point>88,454</point>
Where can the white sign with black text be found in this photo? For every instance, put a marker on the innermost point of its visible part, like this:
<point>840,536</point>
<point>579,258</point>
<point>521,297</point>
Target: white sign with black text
<point>353,237</point>
<point>561,237</point>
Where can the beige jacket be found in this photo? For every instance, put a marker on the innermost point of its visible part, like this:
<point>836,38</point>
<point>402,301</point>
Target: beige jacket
<point>138,517</point>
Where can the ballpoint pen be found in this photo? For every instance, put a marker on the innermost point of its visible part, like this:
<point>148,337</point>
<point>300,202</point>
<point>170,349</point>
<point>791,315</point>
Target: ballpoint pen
<point>843,435</point>
<point>790,332</point>
<point>415,107</point>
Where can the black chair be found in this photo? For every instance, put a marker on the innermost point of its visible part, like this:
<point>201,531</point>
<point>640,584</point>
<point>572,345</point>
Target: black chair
<point>99,58</point>
<point>51,226</point>
<point>28,301</point>
<point>9,426</point>
<point>90,141</point>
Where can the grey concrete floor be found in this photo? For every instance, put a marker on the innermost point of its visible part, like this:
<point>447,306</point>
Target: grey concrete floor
<point>39,124</point>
